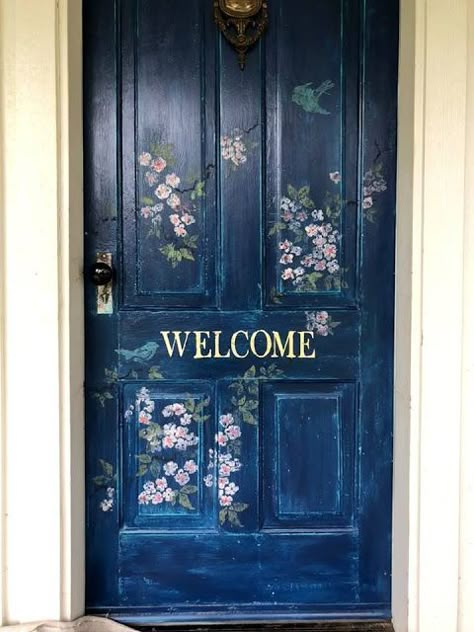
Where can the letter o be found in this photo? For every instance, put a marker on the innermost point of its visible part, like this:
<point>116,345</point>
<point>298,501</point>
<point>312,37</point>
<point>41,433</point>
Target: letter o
<point>268,339</point>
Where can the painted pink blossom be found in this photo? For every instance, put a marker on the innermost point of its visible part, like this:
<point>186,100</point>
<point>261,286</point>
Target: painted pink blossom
<point>158,164</point>
<point>151,178</point>
<point>188,219</point>
<point>368,202</point>
<point>226,420</point>
<point>161,484</point>
<point>144,418</point>
<point>330,251</point>
<point>170,468</point>
<point>180,230</point>
<point>169,495</point>
<point>181,432</point>
<point>178,409</point>
<point>287,274</point>
<point>190,466</point>
<point>221,439</point>
<point>285,258</point>
<point>285,245</point>
<point>168,442</point>
<point>186,419</point>
<point>163,191</point>
<point>311,230</point>
<point>146,212</point>
<point>145,159</point>
<point>222,482</point>
<point>181,477</point>
<point>335,177</point>
<point>174,219</point>
<point>157,498</point>
<point>173,180</point>
<point>233,432</point>
<point>225,501</point>
<point>173,201</point>
<point>225,469</point>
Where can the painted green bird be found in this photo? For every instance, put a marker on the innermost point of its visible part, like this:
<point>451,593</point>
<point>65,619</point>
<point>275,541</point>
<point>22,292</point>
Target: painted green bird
<point>309,98</point>
<point>141,355</point>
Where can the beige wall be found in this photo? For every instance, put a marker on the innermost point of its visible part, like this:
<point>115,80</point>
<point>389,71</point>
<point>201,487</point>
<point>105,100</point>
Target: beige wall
<point>41,413</point>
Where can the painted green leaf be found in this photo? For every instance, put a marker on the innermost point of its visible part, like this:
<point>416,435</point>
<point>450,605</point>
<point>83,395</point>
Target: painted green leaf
<point>101,481</point>
<point>107,468</point>
<point>144,458</point>
<point>250,373</point>
<point>189,489</point>
<point>248,417</point>
<point>184,501</point>
<point>154,373</point>
<point>234,518</point>
<point>142,470</point>
<point>222,515</point>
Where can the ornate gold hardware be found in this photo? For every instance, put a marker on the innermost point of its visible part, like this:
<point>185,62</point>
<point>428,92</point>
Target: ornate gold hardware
<point>242,23</point>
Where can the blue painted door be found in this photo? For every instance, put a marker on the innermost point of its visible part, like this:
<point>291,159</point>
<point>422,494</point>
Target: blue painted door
<point>239,370</point>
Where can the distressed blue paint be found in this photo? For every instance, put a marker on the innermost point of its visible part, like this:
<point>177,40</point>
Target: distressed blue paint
<point>315,540</point>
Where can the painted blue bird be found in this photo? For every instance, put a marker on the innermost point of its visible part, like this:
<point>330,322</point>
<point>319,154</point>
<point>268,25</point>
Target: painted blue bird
<point>141,355</point>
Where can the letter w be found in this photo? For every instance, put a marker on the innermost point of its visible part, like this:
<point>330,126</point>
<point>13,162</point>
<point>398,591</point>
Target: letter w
<point>177,342</point>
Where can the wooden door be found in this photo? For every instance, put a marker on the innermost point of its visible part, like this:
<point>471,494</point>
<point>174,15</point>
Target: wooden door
<point>239,365</point>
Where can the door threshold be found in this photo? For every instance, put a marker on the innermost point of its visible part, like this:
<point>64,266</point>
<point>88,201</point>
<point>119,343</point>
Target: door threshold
<point>312,626</point>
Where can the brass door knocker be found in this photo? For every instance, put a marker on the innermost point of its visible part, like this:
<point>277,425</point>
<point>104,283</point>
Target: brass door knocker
<point>242,22</point>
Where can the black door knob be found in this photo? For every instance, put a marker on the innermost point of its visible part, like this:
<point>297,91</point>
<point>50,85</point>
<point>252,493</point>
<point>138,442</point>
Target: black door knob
<point>101,273</point>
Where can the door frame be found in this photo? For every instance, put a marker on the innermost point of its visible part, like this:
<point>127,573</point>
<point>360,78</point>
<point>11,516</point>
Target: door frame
<point>40,97</point>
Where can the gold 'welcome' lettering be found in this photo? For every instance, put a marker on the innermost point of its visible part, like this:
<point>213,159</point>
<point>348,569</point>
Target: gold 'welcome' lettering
<point>260,344</point>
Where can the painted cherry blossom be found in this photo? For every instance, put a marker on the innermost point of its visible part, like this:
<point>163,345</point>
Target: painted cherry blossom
<point>177,242</point>
<point>234,149</point>
<point>321,323</point>
<point>309,242</point>
<point>168,465</point>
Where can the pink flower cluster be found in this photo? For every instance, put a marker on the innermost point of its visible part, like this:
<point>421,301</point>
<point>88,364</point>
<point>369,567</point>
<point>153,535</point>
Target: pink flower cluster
<point>108,502</point>
<point>160,490</point>
<point>228,464</point>
<point>233,148</point>
<point>318,322</point>
<point>168,194</point>
<point>319,241</point>
<point>374,183</point>
<point>154,493</point>
<point>231,430</point>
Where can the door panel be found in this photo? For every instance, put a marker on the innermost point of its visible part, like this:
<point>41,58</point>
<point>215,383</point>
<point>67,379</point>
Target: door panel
<point>239,395</point>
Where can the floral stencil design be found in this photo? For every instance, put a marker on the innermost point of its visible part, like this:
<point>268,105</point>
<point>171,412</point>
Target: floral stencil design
<point>309,243</point>
<point>169,208</point>
<point>374,183</point>
<point>170,454</point>
<point>234,149</point>
<point>106,481</point>
<point>321,323</point>
<point>108,391</point>
<point>309,239</point>
<point>226,458</point>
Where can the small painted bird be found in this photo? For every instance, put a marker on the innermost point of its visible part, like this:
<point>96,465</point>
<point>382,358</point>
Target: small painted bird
<point>309,98</point>
<point>141,355</point>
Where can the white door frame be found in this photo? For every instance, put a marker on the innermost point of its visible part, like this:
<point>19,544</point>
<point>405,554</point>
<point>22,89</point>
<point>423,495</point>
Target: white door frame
<point>41,332</point>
